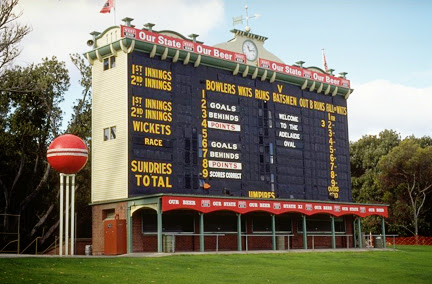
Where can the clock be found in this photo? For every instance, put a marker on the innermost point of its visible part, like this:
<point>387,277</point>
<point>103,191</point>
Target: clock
<point>250,50</point>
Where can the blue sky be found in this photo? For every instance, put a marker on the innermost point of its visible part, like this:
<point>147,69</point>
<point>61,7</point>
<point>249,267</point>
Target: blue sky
<point>368,39</point>
<point>385,46</point>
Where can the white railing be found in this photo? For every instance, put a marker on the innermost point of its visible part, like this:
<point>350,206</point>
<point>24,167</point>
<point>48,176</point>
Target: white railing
<point>368,237</point>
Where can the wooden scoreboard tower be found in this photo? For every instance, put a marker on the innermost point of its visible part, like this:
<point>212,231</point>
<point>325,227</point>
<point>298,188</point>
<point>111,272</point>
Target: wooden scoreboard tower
<point>217,147</point>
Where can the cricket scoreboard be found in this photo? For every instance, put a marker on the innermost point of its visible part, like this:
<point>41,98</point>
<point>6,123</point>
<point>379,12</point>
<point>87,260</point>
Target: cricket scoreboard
<point>204,131</point>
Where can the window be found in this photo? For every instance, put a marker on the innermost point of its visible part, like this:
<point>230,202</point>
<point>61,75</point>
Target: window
<point>263,223</point>
<point>222,222</point>
<point>271,152</point>
<point>283,223</point>
<point>188,181</point>
<point>321,224</point>
<point>109,62</point>
<point>110,133</point>
<point>180,222</point>
<point>106,64</point>
<point>106,134</point>
<point>270,122</point>
<point>108,214</point>
<point>149,221</point>
<point>113,132</point>
<point>272,182</point>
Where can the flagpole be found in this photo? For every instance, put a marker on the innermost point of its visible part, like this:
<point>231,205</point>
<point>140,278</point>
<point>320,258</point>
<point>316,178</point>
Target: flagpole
<point>114,6</point>
<point>324,60</point>
<point>109,5</point>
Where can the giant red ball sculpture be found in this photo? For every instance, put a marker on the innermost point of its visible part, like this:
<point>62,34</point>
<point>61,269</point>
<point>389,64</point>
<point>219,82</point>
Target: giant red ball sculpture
<point>67,154</point>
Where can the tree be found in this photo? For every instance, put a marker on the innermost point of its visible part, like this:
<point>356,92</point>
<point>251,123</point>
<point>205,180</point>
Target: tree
<point>79,125</point>
<point>11,32</point>
<point>29,120</point>
<point>406,173</point>
<point>364,157</point>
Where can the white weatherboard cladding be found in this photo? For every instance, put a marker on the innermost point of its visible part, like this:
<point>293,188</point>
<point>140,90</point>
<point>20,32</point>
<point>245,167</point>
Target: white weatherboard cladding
<point>110,108</point>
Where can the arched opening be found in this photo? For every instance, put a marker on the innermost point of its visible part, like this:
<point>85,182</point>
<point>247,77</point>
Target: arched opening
<point>144,239</point>
<point>179,229</point>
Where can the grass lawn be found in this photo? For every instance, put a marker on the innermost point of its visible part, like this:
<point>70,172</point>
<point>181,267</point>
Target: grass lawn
<point>409,264</point>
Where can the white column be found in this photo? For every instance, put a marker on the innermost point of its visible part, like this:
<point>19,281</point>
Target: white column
<point>72,227</point>
<point>61,216</point>
<point>67,216</point>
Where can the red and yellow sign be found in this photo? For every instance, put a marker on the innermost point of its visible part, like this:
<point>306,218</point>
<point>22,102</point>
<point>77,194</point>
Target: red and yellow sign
<point>303,73</point>
<point>207,205</point>
<point>198,48</point>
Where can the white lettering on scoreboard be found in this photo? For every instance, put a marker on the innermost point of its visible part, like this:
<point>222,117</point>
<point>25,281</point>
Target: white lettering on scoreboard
<point>289,135</point>
<point>219,174</point>
<point>223,126</point>
<point>289,126</point>
<point>224,145</point>
<point>289,130</point>
<point>287,117</point>
<point>223,107</point>
<point>289,144</point>
<point>224,155</point>
<point>223,116</point>
<point>225,165</point>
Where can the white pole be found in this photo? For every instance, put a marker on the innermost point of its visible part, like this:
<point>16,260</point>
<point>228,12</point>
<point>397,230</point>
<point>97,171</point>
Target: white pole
<point>61,216</point>
<point>114,7</point>
<point>73,216</point>
<point>67,216</point>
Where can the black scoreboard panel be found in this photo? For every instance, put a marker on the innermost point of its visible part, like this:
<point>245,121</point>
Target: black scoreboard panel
<point>204,131</point>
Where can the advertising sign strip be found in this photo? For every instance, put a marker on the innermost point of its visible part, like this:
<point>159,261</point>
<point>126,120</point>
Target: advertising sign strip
<point>207,205</point>
<point>177,43</point>
<point>189,46</point>
<point>303,73</point>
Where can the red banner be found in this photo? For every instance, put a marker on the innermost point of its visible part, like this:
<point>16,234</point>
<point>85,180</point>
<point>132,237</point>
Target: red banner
<point>207,205</point>
<point>303,73</point>
<point>190,46</point>
<point>186,45</point>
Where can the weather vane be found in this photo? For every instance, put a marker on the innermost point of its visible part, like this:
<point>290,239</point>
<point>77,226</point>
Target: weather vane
<point>239,19</point>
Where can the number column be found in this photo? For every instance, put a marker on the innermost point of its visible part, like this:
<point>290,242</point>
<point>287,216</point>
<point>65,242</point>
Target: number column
<point>333,189</point>
<point>136,77</point>
<point>204,133</point>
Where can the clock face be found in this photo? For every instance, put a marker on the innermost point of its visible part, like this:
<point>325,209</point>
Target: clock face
<point>250,50</point>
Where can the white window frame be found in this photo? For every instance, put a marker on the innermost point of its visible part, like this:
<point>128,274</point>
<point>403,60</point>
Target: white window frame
<point>110,61</point>
<point>108,133</point>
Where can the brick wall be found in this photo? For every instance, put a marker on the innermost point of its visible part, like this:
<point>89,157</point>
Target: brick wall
<point>98,217</point>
